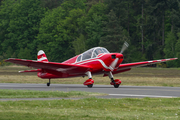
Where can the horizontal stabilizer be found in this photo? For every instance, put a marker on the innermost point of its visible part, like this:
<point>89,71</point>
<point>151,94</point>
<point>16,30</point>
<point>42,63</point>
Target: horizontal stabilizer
<point>37,70</point>
<point>58,69</point>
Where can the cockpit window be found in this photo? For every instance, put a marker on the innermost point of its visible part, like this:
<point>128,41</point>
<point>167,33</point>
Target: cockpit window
<point>98,51</point>
<point>87,54</point>
<point>79,58</point>
<point>105,50</point>
<point>92,53</point>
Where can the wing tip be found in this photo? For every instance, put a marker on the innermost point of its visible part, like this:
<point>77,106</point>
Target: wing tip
<point>10,59</point>
<point>172,59</point>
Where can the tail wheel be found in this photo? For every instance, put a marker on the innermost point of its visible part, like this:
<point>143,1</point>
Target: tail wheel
<point>48,84</point>
<point>90,86</point>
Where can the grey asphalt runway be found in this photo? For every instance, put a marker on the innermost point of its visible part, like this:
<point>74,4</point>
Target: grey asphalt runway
<point>121,92</point>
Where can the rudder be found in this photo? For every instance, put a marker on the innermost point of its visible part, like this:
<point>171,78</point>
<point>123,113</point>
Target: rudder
<point>41,56</point>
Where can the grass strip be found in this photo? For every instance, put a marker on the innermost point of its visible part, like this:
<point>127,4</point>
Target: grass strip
<point>142,76</point>
<point>4,93</point>
<point>92,109</point>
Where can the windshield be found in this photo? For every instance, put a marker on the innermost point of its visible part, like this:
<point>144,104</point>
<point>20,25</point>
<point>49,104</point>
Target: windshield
<point>92,53</point>
<point>98,51</point>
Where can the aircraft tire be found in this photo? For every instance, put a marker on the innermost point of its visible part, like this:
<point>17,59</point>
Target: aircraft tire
<point>116,85</point>
<point>90,86</point>
<point>48,84</point>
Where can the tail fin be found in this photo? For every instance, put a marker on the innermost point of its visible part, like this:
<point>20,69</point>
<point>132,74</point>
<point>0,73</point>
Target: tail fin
<point>41,56</point>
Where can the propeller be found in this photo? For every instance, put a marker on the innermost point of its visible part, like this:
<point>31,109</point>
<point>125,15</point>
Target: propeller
<point>114,63</point>
<point>124,47</point>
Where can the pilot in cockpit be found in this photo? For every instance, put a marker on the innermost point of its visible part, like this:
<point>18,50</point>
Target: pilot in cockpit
<point>99,51</point>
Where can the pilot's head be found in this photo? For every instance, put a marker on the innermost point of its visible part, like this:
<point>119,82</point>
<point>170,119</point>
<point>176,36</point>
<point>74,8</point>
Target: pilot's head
<point>99,51</point>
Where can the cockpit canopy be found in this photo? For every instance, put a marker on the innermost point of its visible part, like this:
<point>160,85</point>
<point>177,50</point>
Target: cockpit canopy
<point>91,53</point>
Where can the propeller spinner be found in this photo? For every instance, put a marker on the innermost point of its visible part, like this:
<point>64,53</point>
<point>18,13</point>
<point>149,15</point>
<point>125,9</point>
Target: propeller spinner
<point>114,63</point>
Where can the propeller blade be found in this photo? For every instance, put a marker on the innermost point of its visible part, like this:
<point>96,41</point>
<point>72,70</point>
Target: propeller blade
<point>125,46</point>
<point>113,64</point>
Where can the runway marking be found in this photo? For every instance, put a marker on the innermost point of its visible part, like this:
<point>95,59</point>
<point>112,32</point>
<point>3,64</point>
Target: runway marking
<point>155,96</point>
<point>156,89</point>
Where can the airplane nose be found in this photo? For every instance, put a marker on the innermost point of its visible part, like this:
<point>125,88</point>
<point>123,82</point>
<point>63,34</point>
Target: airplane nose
<point>117,60</point>
<point>120,56</point>
<point>113,56</point>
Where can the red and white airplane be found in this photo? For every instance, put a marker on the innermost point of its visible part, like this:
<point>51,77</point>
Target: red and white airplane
<point>95,61</point>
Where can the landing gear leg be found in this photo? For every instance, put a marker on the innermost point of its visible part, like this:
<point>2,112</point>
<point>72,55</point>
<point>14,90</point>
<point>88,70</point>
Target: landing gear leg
<point>48,84</point>
<point>113,82</point>
<point>111,77</point>
<point>90,81</point>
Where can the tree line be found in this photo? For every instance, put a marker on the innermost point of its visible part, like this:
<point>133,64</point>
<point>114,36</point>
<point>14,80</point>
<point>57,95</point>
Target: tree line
<point>65,28</point>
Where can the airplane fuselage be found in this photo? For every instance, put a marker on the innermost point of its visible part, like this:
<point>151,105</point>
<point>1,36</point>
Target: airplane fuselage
<point>98,65</point>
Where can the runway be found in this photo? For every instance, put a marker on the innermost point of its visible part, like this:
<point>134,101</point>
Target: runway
<point>121,92</point>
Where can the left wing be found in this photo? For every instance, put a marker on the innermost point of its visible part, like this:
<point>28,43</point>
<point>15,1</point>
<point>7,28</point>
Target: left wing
<point>52,67</point>
<point>128,66</point>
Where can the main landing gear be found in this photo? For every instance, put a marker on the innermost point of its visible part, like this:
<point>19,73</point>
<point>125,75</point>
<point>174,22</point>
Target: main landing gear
<point>90,81</point>
<point>115,82</point>
<point>48,84</point>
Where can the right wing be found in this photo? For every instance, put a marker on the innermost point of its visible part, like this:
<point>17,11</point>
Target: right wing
<point>128,66</point>
<point>138,64</point>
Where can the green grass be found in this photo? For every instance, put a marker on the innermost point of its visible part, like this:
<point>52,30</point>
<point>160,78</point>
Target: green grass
<point>92,109</point>
<point>44,94</point>
<point>141,76</point>
<point>89,108</point>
